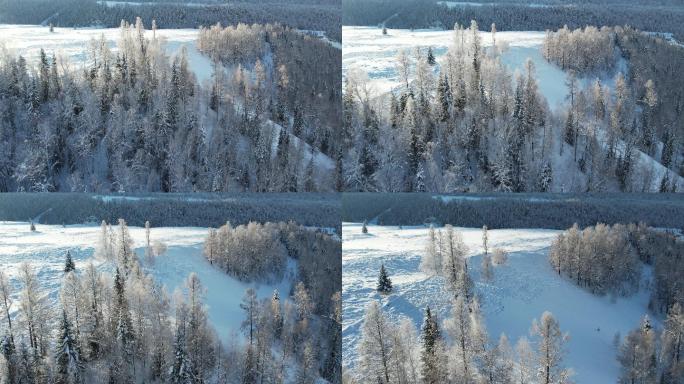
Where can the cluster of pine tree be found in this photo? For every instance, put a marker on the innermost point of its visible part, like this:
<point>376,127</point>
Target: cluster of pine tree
<point>297,87</point>
<point>647,355</point>
<point>459,349</point>
<point>116,330</point>
<point>137,120</point>
<point>307,328</point>
<point>471,125</point>
<point>259,252</point>
<point>646,112</point>
<point>279,333</point>
<point>600,258</point>
<point>609,259</point>
<point>664,252</point>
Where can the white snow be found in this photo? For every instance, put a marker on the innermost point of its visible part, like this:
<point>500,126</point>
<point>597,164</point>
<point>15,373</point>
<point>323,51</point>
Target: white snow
<point>521,290</point>
<point>45,249</point>
<point>27,40</point>
<point>367,49</point>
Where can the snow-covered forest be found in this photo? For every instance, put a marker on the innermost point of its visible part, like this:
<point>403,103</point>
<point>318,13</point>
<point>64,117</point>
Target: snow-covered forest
<point>137,119</point>
<point>313,15</point>
<point>121,304</point>
<point>464,120</point>
<point>517,15</point>
<point>444,304</point>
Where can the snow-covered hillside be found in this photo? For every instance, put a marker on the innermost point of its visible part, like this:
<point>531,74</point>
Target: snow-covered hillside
<point>520,291</point>
<point>45,249</point>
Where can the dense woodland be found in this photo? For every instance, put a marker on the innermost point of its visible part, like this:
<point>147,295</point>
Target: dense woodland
<point>525,210</point>
<point>516,15</point>
<point>137,120</point>
<point>291,87</point>
<point>125,327</point>
<point>456,349</point>
<point>318,15</point>
<point>472,125</point>
<point>255,252</point>
<point>173,210</point>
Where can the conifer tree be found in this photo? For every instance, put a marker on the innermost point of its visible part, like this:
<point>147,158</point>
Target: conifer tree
<point>67,356</point>
<point>69,265</point>
<point>384,282</point>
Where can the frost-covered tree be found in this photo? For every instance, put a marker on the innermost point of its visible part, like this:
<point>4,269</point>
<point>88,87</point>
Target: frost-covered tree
<point>551,350</point>
<point>375,346</point>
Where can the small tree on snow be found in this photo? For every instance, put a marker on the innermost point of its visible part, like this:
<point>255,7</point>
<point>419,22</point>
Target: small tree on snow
<point>487,272</point>
<point>485,240</point>
<point>431,57</point>
<point>364,228</point>
<point>384,282</point>
<point>69,264</point>
<point>499,256</point>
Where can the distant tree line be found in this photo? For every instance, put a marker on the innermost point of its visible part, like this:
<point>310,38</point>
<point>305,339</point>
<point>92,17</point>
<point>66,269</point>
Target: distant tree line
<point>306,14</point>
<point>170,210</point>
<point>516,15</point>
<point>529,210</point>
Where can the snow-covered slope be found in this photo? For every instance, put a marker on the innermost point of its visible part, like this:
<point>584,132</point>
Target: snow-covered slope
<point>45,249</point>
<point>520,291</point>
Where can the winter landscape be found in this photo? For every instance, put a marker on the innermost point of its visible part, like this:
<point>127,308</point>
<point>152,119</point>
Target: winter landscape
<point>238,303</point>
<point>146,108</point>
<point>470,108</point>
<point>526,305</point>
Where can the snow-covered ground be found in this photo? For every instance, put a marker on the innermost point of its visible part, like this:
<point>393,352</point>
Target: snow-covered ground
<point>520,291</point>
<point>45,249</point>
<point>367,49</point>
<point>72,43</point>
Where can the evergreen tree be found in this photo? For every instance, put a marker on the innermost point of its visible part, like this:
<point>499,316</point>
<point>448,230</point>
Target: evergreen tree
<point>69,265</point>
<point>431,57</point>
<point>384,282</point>
<point>432,371</point>
<point>67,356</point>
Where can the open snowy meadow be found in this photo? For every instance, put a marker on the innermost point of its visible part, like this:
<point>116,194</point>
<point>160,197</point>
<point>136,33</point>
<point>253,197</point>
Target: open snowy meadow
<point>73,43</point>
<point>367,49</point>
<point>46,248</point>
<point>520,291</point>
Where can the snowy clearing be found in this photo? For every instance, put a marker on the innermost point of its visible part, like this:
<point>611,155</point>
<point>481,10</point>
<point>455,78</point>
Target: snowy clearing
<point>521,290</point>
<point>367,49</point>
<point>45,249</point>
<point>72,43</point>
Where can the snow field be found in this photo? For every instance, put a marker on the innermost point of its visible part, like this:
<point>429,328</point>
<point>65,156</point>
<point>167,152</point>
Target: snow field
<point>46,248</point>
<point>520,291</point>
<point>72,43</point>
